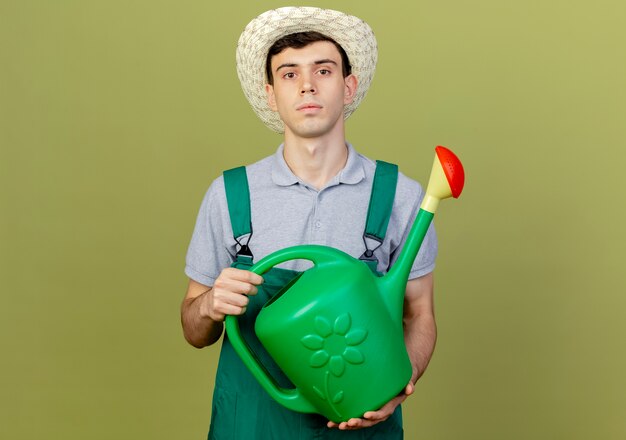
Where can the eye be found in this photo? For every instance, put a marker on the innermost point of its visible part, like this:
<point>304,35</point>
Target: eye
<point>289,75</point>
<point>324,72</point>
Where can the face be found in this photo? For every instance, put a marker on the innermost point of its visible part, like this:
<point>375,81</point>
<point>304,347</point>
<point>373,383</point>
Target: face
<point>309,90</point>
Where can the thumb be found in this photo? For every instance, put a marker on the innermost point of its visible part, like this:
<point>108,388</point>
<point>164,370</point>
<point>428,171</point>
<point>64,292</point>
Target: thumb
<point>409,389</point>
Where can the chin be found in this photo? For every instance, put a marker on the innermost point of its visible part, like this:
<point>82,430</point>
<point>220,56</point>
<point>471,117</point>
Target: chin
<point>312,129</point>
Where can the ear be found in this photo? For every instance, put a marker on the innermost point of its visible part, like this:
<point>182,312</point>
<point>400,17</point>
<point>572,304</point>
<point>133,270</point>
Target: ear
<point>351,83</point>
<point>271,98</point>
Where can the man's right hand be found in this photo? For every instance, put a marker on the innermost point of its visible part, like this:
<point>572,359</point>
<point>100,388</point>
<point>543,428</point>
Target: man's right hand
<point>229,294</point>
<point>204,308</point>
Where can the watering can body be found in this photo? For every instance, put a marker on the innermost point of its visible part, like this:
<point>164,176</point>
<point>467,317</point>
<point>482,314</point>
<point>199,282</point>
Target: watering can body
<point>335,332</point>
<point>344,351</point>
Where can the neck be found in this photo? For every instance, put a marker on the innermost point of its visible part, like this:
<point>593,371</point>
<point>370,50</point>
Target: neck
<point>315,160</point>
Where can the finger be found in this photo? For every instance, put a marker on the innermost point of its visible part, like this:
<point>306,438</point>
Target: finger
<point>350,424</point>
<point>244,275</point>
<point>377,416</point>
<point>372,415</point>
<point>385,412</point>
<point>230,309</point>
<point>355,423</point>
<point>344,426</point>
<point>226,298</point>
<point>234,286</point>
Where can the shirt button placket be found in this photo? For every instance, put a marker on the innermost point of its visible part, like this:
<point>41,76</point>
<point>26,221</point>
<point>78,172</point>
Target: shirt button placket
<point>317,224</point>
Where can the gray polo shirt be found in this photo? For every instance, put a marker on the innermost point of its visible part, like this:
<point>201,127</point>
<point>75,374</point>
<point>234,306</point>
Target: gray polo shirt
<point>286,211</point>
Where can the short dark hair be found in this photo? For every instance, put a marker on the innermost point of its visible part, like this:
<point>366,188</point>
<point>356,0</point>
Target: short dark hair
<point>298,41</point>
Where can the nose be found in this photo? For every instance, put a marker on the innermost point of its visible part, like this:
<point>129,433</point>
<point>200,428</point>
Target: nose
<point>307,86</point>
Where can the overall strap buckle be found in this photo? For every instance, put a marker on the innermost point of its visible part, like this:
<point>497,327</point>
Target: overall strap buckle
<point>238,198</point>
<point>379,210</point>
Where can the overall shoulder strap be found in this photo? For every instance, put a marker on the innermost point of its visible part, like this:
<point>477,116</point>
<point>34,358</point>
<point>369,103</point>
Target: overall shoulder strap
<point>238,198</point>
<point>379,211</point>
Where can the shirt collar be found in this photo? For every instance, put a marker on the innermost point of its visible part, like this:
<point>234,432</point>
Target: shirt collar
<point>352,173</point>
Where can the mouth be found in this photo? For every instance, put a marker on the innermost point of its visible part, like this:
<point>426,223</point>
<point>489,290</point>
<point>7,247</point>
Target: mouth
<point>310,106</point>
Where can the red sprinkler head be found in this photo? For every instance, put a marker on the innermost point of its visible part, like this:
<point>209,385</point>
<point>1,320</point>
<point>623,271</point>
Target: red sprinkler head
<point>453,169</point>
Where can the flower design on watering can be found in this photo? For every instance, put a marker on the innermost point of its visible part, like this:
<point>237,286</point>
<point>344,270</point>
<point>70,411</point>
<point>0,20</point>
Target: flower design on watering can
<point>334,345</point>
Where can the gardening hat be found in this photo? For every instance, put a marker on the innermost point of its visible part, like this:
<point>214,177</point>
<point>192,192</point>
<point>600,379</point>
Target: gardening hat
<point>351,33</point>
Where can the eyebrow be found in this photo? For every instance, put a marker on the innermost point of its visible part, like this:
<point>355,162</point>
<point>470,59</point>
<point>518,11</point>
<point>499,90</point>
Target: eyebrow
<point>324,61</point>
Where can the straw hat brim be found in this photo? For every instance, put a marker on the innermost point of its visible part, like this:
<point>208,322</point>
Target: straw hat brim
<point>351,33</point>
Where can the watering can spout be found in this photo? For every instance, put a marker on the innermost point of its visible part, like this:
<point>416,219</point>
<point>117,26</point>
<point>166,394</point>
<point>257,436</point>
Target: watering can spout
<point>447,179</point>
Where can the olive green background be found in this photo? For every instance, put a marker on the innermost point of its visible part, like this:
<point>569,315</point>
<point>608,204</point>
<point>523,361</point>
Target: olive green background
<point>116,115</point>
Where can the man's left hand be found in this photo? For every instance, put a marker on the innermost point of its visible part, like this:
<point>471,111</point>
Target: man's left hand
<point>371,418</point>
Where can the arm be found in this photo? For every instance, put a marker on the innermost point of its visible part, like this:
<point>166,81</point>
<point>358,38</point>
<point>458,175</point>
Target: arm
<point>204,308</point>
<point>420,330</point>
<point>420,334</point>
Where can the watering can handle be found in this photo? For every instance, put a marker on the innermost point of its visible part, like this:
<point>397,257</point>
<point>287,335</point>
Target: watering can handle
<point>290,398</point>
<point>312,252</point>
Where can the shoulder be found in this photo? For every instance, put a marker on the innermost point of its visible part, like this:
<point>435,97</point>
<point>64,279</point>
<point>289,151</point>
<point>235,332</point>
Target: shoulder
<point>408,189</point>
<point>261,165</point>
<point>215,195</point>
<point>259,173</point>
<point>404,183</point>
<point>254,172</point>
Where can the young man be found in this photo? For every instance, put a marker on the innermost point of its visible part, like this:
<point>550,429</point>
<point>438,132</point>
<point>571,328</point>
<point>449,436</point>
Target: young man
<point>304,70</point>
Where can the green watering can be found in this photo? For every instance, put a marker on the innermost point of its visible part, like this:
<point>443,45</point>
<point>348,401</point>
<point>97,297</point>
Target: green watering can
<point>336,329</point>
